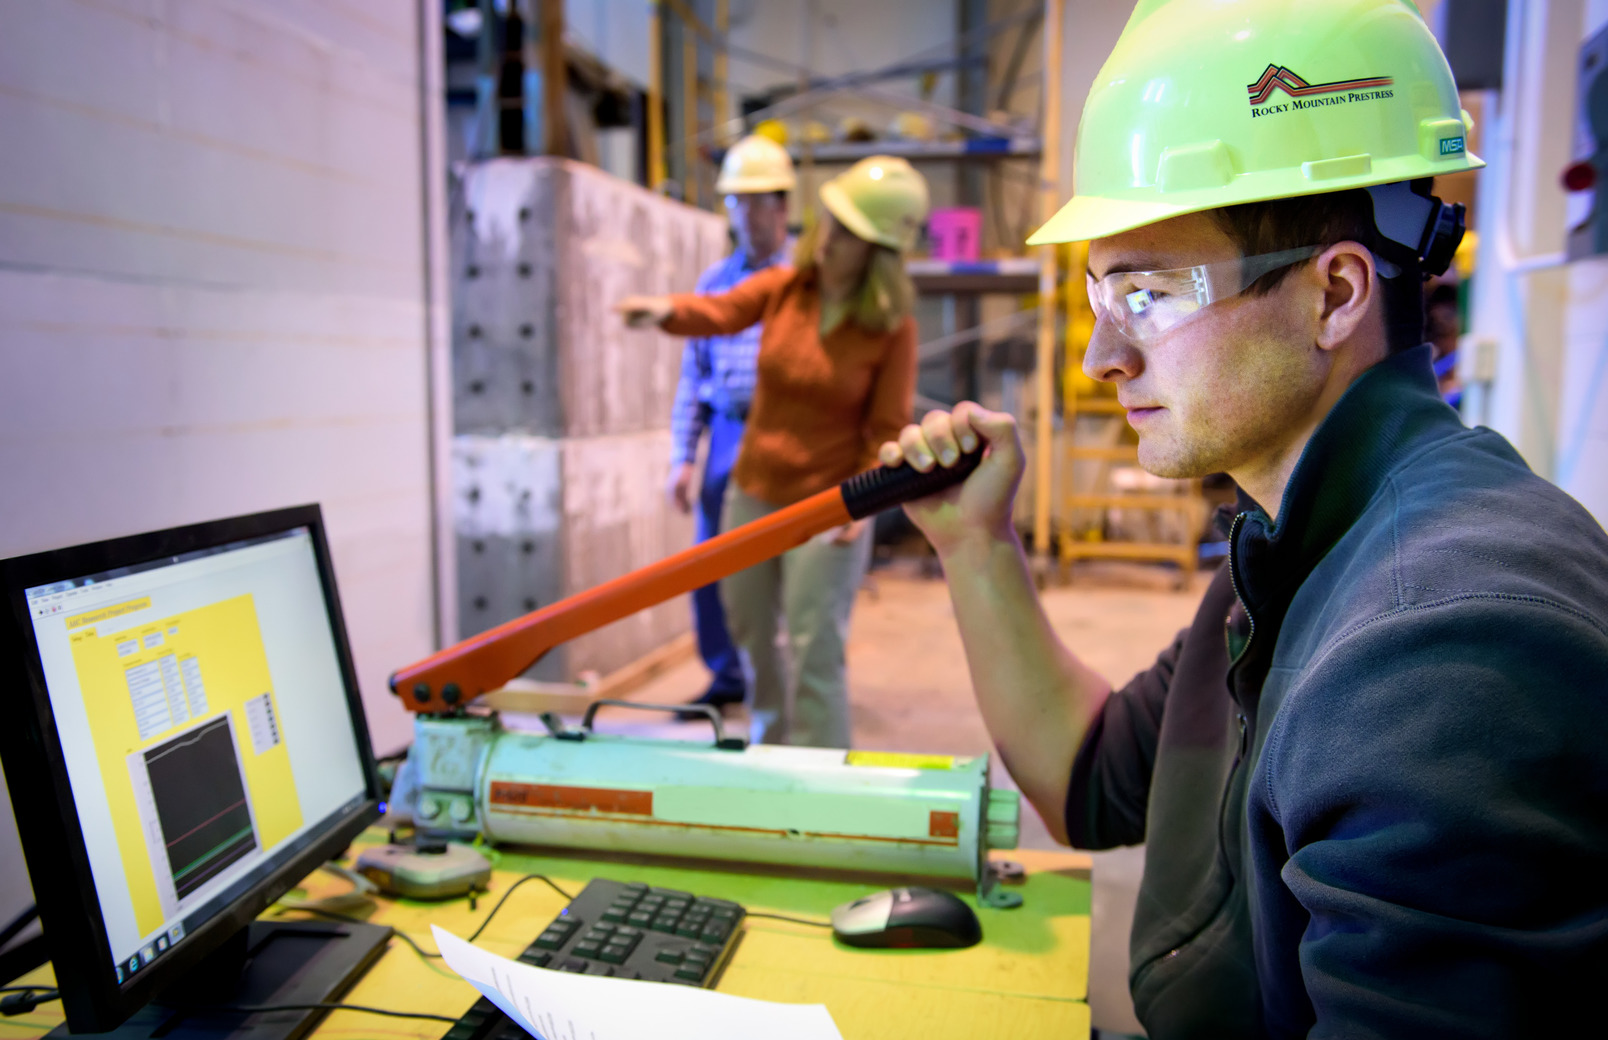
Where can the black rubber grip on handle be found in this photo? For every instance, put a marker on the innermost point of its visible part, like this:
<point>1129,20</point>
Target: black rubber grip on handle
<point>869,493</point>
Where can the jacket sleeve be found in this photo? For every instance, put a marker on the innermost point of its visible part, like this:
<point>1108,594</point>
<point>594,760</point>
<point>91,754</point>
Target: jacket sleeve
<point>1433,795</point>
<point>893,392</point>
<point>1109,791</point>
<point>723,314</point>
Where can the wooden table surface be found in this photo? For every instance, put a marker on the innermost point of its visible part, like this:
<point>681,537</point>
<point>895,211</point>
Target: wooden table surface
<point>1028,978</point>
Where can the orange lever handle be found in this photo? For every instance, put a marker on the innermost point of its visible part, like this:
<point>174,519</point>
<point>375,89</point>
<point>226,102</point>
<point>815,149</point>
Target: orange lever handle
<point>450,678</point>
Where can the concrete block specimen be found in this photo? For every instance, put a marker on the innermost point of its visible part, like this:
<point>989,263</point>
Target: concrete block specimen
<point>562,414</point>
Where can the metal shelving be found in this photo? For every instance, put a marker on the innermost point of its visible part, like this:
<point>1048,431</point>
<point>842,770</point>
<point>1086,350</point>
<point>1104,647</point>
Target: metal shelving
<point>976,148</point>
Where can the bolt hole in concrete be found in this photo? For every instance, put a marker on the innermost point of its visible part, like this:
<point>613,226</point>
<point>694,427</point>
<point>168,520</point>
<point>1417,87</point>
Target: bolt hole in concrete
<point>472,272</point>
<point>524,270</point>
<point>528,387</point>
<point>527,330</point>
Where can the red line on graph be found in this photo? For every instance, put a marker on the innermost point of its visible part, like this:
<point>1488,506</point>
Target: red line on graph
<point>203,823</point>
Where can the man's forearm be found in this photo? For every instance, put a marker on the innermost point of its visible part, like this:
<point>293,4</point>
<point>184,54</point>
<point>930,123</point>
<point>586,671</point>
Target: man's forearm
<point>1036,697</point>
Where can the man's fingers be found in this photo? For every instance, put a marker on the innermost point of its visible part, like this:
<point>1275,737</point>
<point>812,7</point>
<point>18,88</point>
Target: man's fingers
<point>890,454</point>
<point>917,452</point>
<point>940,432</point>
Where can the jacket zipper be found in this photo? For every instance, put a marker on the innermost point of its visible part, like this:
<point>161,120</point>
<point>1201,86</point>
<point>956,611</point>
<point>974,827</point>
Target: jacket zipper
<point>1233,579</point>
<point>1233,768</point>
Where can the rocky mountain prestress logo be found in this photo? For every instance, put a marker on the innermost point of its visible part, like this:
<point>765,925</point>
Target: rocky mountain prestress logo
<point>1312,95</point>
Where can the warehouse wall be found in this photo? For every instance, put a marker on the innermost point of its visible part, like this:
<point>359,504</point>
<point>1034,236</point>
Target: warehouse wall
<point>213,289</point>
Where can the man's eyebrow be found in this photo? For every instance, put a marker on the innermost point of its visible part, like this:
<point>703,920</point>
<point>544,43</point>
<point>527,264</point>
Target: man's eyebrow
<point>1135,262</point>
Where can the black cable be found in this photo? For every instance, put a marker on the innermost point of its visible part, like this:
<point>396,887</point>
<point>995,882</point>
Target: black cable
<point>256,1009</point>
<point>23,999</point>
<point>528,877</point>
<point>350,919</point>
<point>421,951</point>
<point>795,920</point>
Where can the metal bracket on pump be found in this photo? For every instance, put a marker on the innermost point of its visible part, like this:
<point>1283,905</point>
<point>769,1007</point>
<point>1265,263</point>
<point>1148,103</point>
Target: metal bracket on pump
<point>585,730</point>
<point>1002,816</point>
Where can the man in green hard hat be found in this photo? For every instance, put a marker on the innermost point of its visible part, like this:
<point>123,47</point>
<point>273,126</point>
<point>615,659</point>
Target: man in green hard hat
<point>1372,775</point>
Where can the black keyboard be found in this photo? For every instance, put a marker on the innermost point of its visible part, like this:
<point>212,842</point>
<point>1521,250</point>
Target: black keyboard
<point>629,931</point>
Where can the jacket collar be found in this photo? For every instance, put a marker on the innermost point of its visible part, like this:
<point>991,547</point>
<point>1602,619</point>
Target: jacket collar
<point>1392,411</point>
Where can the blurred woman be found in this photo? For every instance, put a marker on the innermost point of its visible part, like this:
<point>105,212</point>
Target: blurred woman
<point>836,378</point>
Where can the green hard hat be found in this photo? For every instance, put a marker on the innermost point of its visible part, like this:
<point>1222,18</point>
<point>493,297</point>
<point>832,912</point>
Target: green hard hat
<point>1209,103</point>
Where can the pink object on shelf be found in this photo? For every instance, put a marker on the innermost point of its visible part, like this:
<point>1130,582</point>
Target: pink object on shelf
<point>956,233</point>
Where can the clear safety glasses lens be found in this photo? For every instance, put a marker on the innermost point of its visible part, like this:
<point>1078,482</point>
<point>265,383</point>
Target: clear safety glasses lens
<point>1146,304</point>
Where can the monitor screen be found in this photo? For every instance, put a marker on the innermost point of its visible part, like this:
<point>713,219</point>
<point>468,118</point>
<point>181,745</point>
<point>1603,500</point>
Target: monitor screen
<point>208,733</point>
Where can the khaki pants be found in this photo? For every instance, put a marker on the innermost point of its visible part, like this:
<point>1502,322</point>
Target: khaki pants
<point>797,692</point>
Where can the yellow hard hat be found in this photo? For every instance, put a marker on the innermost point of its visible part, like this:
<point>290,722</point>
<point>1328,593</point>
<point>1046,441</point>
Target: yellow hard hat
<point>753,166</point>
<point>774,129</point>
<point>912,126</point>
<point>881,199</point>
<point>1209,103</point>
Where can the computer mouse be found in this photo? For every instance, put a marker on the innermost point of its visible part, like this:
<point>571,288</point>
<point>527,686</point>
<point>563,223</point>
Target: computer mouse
<point>907,918</point>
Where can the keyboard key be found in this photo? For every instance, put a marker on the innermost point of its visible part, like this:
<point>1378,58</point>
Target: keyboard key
<point>715,931</point>
<point>640,918</point>
<point>669,956</point>
<point>636,888</point>
<point>688,929</point>
<point>664,924</point>
<point>551,939</point>
<point>725,913</point>
<point>600,968</point>
<point>587,949</point>
<point>603,927</point>
<point>691,973</point>
<point>537,958</point>
<point>595,936</point>
<point>616,914</point>
<point>574,965</point>
<point>614,954</point>
<point>704,950</point>
<point>461,1031</point>
<point>629,932</point>
<point>677,905</point>
<point>670,893</point>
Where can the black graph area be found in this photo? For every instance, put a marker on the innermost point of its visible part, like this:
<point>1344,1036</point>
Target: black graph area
<point>200,803</point>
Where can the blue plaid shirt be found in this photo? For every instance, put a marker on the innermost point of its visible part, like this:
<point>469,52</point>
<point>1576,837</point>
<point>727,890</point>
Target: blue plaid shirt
<point>717,372</point>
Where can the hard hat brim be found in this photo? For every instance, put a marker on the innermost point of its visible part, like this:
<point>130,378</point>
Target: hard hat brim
<point>836,201</point>
<point>1088,217</point>
<point>754,185</point>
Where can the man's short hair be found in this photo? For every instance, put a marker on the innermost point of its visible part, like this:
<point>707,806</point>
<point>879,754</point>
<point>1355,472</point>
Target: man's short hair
<point>1323,220</point>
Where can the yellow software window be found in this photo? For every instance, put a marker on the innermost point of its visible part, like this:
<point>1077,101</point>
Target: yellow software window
<point>188,737</point>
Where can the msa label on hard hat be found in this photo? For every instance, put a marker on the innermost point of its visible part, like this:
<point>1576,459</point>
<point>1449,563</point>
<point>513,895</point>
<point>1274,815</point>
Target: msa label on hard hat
<point>1451,146</point>
<point>1312,95</point>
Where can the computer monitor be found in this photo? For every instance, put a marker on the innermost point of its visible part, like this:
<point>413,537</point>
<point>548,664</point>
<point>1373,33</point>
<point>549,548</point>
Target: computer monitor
<point>184,742</point>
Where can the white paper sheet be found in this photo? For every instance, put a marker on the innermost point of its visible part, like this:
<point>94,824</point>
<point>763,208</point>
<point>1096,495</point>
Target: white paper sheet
<point>558,1005</point>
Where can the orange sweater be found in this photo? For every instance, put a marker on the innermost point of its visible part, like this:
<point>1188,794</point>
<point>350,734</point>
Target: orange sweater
<point>821,408</point>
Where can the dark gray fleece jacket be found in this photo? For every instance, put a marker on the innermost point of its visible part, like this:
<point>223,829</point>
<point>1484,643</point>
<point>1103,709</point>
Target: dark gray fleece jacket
<point>1373,774</point>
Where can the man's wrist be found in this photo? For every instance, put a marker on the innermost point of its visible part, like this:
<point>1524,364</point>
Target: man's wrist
<point>979,547</point>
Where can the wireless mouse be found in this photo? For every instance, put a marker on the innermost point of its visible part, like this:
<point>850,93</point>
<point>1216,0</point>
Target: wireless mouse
<point>907,918</point>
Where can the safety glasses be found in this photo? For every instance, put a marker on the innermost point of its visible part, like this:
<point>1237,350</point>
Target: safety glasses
<point>1146,304</point>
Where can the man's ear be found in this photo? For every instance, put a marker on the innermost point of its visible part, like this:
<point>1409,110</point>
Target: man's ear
<point>1345,274</point>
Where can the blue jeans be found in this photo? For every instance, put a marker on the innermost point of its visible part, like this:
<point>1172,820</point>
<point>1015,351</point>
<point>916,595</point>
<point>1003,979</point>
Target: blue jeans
<point>709,617</point>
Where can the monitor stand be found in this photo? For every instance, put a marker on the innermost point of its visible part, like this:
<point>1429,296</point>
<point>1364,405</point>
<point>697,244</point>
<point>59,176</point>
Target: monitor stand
<point>267,963</point>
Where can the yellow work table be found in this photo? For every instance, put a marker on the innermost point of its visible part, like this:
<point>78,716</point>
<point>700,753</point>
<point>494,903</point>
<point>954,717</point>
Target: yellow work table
<point>1028,977</point>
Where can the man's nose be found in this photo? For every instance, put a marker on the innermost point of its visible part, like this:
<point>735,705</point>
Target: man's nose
<point>1111,356</point>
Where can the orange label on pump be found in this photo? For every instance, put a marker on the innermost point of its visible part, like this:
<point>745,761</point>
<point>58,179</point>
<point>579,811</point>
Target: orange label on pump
<point>578,799</point>
<point>943,824</point>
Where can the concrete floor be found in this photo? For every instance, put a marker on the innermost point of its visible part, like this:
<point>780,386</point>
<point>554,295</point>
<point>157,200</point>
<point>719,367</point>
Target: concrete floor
<point>910,692</point>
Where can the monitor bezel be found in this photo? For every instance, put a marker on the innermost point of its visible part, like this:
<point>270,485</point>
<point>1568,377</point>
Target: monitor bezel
<point>47,816</point>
